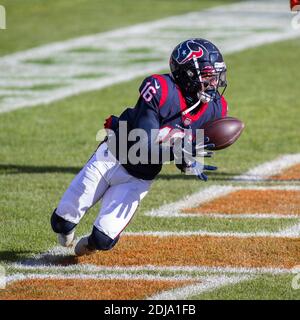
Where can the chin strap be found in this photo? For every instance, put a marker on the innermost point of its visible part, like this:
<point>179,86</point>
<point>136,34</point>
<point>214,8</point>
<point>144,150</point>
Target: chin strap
<point>204,97</point>
<point>191,108</point>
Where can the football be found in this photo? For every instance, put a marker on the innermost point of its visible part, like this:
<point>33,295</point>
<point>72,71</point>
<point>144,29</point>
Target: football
<point>223,132</point>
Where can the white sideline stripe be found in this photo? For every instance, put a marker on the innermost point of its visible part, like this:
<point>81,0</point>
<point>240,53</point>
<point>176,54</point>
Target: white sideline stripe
<point>208,284</point>
<point>271,168</point>
<point>151,268</point>
<point>125,276</point>
<point>290,233</point>
<point>236,31</point>
<point>45,97</point>
<point>238,215</point>
<point>258,173</point>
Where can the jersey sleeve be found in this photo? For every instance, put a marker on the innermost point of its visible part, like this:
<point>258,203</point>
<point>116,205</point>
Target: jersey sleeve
<point>147,115</point>
<point>147,107</point>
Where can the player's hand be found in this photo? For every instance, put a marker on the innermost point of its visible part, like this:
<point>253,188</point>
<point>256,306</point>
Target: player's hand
<point>196,168</point>
<point>191,150</point>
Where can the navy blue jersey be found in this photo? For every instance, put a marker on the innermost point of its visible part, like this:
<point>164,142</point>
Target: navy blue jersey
<point>160,106</point>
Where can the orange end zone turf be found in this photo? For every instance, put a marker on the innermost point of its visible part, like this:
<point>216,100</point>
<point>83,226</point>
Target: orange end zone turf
<point>198,251</point>
<point>91,289</point>
<point>252,201</point>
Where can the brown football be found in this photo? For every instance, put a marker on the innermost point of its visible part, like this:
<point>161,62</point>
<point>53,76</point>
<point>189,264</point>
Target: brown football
<point>223,132</point>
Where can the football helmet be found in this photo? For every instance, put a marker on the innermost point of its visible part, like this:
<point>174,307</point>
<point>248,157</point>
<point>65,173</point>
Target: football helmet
<point>198,68</point>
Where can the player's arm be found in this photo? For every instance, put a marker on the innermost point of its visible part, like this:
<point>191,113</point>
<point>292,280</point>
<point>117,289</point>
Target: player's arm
<point>147,115</point>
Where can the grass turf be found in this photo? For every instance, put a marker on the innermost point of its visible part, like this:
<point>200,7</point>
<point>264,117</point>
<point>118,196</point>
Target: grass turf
<point>264,287</point>
<point>33,22</point>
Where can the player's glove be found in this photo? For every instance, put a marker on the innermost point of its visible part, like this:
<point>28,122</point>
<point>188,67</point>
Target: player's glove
<point>196,168</point>
<point>189,165</point>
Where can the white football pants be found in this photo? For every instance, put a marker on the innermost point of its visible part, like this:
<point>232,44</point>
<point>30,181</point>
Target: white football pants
<point>103,177</point>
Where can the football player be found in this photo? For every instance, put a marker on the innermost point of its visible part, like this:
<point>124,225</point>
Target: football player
<point>187,98</point>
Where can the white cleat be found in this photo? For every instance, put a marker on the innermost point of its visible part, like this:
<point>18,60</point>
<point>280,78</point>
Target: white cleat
<point>82,247</point>
<point>66,240</point>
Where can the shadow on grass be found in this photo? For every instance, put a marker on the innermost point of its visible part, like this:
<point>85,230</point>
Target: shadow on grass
<point>51,259</point>
<point>6,169</point>
<point>14,256</point>
<point>18,169</point>
<point>220,176</point>
<point>30,258</point>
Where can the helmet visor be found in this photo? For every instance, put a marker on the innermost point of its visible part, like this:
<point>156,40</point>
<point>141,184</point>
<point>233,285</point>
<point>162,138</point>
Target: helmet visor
<point>213,81</point>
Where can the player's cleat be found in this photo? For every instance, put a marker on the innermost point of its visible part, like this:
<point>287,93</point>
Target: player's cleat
<point>82,247</point>
<point>66,240</point>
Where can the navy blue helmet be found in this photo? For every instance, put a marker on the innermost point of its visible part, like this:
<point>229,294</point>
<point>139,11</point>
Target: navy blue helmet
<point>198,67</point>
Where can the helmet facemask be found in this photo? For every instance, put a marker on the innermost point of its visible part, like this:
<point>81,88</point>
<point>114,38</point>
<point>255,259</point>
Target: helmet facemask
<point>210,79</point>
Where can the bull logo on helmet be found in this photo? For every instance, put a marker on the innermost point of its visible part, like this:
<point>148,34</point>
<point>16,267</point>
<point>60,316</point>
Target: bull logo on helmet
<point>187,50</point>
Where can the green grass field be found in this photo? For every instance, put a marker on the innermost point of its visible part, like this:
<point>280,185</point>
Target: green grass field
<point>43,147</point>
<point>64,19</point>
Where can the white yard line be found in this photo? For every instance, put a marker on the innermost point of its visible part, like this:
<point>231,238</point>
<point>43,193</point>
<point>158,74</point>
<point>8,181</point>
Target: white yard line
<point>72,61</point>
<point>89,268</point>
<point>288,233</point>
<point>113,276</point>
<point>270,168</point>
<point>207,284</point>
<point>237,215</point>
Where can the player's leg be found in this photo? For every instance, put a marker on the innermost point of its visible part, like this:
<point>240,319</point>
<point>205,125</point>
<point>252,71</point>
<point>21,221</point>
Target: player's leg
<point>120,202</point>
<point>84,191</point>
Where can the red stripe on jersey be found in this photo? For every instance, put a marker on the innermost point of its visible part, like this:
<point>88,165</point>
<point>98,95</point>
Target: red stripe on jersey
<point>193,117</point>
<point>197,115</point>
<point>224,107</point>
<point>164,89</point>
